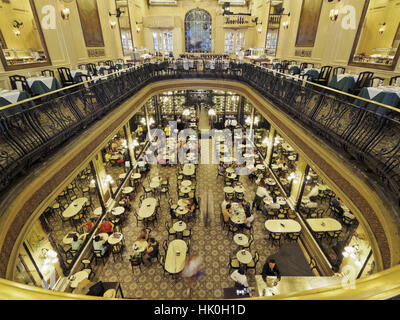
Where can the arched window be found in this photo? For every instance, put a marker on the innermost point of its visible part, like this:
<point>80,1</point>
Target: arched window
<point>198,31</point>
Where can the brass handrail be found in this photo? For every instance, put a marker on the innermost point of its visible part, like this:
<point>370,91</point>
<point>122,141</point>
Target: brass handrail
<point>333,90</point>
<point>271,70</point>
<point>379,286</point>
<point>64,88</point>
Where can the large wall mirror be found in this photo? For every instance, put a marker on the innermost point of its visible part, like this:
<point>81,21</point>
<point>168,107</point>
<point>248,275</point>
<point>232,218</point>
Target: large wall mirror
<point>274,23</point>
<point>378,36</point>
<point>21,38</point>
<point>125,27</point>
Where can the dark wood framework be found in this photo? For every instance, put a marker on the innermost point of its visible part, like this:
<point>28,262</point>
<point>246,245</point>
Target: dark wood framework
<point>130,28</point>
<point>43,42</point>
<point>277,38</point>
<point>353,50</point>
<point>298,27</point>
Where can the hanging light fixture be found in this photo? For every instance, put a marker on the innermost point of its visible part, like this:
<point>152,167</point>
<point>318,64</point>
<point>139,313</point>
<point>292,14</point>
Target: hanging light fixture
<point>211,112</point>
<point>186,112</point>
<point>65,13</point>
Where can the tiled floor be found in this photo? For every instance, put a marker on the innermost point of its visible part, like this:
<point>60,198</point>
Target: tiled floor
<point>211,242</point>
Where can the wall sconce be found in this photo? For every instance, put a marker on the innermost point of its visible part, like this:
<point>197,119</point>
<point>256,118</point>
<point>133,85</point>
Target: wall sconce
<point>382,28</point>
<point>333,14</point>
<point>137,29</point>
<point>17,32</point>
<point>113,24</point>
<point>285,24</point>
<point>259,29</point>
<point>65,13</point>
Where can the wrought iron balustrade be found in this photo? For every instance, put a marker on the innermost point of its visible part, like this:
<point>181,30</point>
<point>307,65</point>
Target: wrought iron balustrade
<point>32,130</point>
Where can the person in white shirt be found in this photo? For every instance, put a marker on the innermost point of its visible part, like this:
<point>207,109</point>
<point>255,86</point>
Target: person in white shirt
<point>260,194</point>
<point>239,277</point>
<point>248,222</point>
<point>313,193</point>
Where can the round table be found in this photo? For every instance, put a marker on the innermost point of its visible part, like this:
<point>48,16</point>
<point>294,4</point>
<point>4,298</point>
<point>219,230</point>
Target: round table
<point>228,190</point>
<point>182,203</point>
<point>103,236</point>
<point>77,278</point>
<point>181,211</point>
<point>268,200</point>
<point>239,189</point>
<point>136,176</point>
<point>154,184</point>
<point>185,189</point>
<point>115,238</point>
<point>186,183</point>
<point>147,208</point>
<point>230,170</point>
<point>247,155</point>
<point>117,211</point>
<point>231,175</point>
<point>188,169</point>
<point>127,190</point>
<point>260,167</point>
<point>68,238</point>
<point>139,246</point>
<point>270,181</point>
<point>244,256</point>
<point>292,158</point>
<point>74,208</point>
<point>281,201</point>
<point>179,226</point>
<point>240,239</point>
<point>98,211</point>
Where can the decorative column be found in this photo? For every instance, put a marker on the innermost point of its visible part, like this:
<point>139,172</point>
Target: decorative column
<point>270,148</point>
<point>298,180</point>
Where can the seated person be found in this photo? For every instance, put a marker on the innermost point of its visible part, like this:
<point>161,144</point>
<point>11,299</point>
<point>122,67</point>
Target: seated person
<point>143,235</point>
<point>221,169</point>
<point>77,242</point>
<point>227,212</point>
<point>239,277</point>
<point>337,204</point>
<point>106,227</point>
<point>246,206</point>
<point>152,249</point>
<point>107,156</point>
<point>127,203</point>
<point>120,160</point>
<point>248,222</point>
<point>225,202</point>
<point>88,226</point>
<point>192,208</point>
<point>100,244</point>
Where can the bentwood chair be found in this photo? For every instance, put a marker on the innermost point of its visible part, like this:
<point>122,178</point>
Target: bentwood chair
<point>324,75</point>
<point>253,263</point>
<point>171,231</point>
<point>376,81</point>
<point>65,76</point>
<point>47,73</point>
<point>19,83</point>
<point>136,261</point>
<point>233,264</point>
<point>91,67</point>
<point>338,70</point>
<point>363,80</point>
<point>394,81</point>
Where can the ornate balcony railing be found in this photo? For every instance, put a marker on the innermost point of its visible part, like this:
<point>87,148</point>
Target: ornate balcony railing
<point>34,128</point>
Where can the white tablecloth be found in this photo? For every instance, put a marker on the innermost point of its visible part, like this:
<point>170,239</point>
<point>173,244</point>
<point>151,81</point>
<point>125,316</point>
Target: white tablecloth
<point>372,91</point>
<point>48,81</point>
<point>10,95</point>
